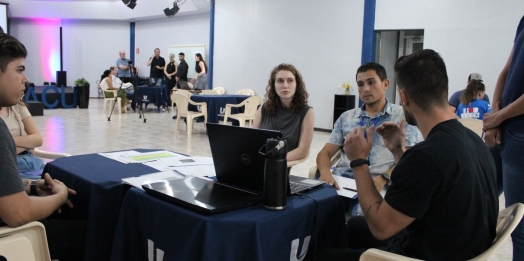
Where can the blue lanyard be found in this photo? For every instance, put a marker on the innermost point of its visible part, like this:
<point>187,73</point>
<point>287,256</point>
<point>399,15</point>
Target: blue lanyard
<point>362,125</point>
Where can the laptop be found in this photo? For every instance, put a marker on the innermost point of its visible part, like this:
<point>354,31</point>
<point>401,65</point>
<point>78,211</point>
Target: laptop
<point>235,152</point>
<point>183,85</point>
<point>151,82</point>
<point>201,195</point>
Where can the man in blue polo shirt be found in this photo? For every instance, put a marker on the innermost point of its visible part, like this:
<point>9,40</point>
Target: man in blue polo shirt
<point>505,132</point>
<point>454,101</point>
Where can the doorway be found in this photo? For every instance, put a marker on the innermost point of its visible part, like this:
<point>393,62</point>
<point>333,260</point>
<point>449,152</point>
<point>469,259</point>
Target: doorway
<point>392,44</point>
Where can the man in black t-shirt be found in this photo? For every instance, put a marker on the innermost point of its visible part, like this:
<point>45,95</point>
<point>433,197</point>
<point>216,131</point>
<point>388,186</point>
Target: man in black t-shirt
<point>157,64</point>
<point>442,203</point>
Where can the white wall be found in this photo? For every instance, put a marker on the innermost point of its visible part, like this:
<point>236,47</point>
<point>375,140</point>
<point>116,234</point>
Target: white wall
<point>470,35</point>
<point>160,33</point>
<point>323,41</point>
<point>89,48</point>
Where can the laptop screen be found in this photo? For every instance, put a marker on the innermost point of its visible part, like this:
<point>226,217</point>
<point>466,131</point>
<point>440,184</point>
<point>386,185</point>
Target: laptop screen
<point>236,156</point>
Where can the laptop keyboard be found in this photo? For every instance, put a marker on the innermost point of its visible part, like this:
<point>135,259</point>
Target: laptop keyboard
<point>296,187</point>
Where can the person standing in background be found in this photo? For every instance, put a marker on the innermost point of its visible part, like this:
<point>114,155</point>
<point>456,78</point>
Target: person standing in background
<point>122,64</point>
<point>201,69</point>
<point>181,74</point>
<point>170,72</point>
<point>504,129</point>
<point>157,64</point>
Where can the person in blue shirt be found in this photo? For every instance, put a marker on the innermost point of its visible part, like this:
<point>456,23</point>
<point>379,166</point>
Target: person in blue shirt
<point>504,129</point>
<point>455,98</point>
<point>471,104</point>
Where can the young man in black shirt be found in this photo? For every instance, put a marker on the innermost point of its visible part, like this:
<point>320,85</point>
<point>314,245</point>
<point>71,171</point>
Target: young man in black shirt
<point>181,74</point>
<point>442,203</point>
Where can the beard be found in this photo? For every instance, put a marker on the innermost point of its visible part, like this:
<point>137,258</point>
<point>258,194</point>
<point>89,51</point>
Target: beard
<point>410,119</point>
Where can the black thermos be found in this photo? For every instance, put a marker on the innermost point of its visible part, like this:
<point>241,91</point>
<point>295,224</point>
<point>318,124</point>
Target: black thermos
<point>275,175</point>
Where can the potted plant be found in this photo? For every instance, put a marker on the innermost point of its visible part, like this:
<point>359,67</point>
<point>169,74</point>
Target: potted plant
<point>82,85</point>
<point>81,82</point>
<point>347,87</point>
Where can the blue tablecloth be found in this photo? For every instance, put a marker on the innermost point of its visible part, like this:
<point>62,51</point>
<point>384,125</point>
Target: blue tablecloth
<point>157,95</point>
<point>149,225</point>
<point>98,182</point>
<point>216,105</point>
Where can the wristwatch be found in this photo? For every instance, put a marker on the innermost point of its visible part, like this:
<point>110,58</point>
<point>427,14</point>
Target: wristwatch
<point>385,176</point>
<point>32,187</point>
<point>358,162</point>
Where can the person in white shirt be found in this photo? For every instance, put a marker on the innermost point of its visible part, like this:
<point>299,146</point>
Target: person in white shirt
<point>111,82</point>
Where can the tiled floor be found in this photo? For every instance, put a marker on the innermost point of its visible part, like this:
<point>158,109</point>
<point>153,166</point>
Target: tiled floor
<point>83,131</point>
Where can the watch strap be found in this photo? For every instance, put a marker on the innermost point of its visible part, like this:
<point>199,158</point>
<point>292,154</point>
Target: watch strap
<point>358,162</point>
<point>32,188</point>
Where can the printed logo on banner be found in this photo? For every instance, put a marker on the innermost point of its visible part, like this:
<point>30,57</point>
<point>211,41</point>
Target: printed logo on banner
<point>151,252</point>
<point>222,111</point>
<point>294,249</point>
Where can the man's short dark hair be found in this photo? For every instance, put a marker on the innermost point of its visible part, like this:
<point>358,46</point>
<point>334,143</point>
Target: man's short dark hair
<point>10,50</point>
<point>379,69</point>
<point>182,54</point>
<point>423,76</point>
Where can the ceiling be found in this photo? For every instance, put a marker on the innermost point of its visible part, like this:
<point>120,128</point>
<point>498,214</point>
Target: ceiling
<point>202,7</point>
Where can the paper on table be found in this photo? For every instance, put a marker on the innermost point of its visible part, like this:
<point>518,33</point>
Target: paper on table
<point>153,155</point>
<point>197,171</point>
<point>187,161</point>
<point>120,156</point>
<point>157,164</point>
<point>347,186</point>
<point>131,156</point>
<point>153,177</point>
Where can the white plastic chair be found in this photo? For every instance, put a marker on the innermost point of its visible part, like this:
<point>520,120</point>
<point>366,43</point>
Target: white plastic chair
<point>313,171</point>
<point>295,162</point>
<point>49,155</point>
<point>182,102</point>
<point>507,220</point>
<point>251,105</point>
<point>24,243</point>
<point>183,92</point>
<point>111,100</point>
<point>219,90</point>
<point>209,92</point>
<point>246,92</point>
<point>472,124</point>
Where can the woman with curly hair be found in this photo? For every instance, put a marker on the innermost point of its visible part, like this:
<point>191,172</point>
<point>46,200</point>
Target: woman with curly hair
<point>285,109</point>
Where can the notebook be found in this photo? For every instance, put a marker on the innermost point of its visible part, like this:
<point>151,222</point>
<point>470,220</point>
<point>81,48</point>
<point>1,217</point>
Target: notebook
<point>201,195</point>
<point>235,152</point>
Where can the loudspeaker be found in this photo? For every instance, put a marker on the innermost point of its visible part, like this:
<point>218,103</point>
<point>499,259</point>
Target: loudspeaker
<point>61,78</point>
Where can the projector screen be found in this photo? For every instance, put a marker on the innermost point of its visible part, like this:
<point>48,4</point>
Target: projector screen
<point>3,17</point>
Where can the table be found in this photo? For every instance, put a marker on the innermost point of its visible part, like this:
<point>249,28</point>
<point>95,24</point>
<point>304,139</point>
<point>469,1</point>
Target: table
<point>148,225</point>
<point>157,95</point>
<point>97,180</point>
<point>216,105</point>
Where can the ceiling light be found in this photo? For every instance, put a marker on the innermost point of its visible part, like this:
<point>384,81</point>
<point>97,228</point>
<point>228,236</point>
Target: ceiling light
<point>172,11</point>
